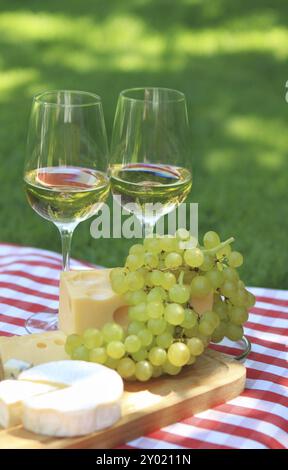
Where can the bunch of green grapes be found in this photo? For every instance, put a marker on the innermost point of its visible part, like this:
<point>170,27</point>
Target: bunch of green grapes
<point>159,281</point>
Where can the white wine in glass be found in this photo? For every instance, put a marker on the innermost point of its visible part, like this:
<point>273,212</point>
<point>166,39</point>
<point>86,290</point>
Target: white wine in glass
<point>65,175</point>
<point>150,165</point>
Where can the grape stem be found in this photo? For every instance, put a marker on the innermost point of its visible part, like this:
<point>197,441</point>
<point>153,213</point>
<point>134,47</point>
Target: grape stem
<point>213,251</point>
<point>180,278</point>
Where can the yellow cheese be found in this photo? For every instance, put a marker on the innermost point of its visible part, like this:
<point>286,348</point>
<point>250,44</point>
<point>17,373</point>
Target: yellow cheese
<point>35,349</point>
<point>87,301</point>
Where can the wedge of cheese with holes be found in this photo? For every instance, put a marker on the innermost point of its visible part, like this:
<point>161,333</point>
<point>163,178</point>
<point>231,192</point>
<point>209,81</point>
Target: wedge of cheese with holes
<point>12,394</point>
<point>87,301</point>
<point>31,349</point>
<point>89,401</point>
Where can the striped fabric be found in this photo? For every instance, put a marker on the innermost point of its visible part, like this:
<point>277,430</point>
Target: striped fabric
<point>257,419</point>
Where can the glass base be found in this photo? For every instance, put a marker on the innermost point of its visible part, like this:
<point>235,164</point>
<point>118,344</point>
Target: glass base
<point>246,349</point>
<point>39,322</point>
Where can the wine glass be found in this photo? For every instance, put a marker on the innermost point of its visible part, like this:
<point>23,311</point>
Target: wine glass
<point>150,170</point>
<point>65,173</point>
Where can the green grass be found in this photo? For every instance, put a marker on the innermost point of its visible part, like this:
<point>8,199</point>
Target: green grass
<point>228,57</point>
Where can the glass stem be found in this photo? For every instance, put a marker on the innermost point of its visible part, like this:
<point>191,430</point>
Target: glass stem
<point>66,233</point>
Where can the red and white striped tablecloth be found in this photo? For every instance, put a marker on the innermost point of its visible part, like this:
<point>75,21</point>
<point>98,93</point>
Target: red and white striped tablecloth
<point>257,419</point>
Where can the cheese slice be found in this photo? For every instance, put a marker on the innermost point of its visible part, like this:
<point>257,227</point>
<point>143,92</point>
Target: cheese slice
<point>90,401</point>
<point>33,349</point>
<point>87,300</point>
<point>12,394</point>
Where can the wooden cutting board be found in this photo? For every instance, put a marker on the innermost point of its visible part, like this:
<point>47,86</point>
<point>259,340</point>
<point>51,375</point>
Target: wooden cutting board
<point>215,378</point>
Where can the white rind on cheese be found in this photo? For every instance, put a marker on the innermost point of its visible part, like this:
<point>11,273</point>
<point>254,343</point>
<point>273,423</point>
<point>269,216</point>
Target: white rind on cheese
<point>90,401</point>
<point>86,300</point>
<point>12,394</point>
<point>71,373</point>
<point>73,411</point>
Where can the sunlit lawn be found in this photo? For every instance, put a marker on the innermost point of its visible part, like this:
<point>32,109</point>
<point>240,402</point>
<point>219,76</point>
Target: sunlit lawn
<point>228,58</point>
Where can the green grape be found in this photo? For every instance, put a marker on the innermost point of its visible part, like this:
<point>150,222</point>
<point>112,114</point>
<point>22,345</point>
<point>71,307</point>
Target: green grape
<point>156,277</point>
<point>179,293</point>
<point>138,312</point>
<point>200,286</point>
<point>152,244</point>
<point>170,329</point>
<point>206,327</point>
<point>238,315</point>
<point>157,356</point>
<point>191,332</point>
<point>145,337</point>
<point>178,354</point>
<point>239,298</point>
<point>98,355</point>
<point>235,259</point>
<point>194,257</point>
<point>173,260</point>
<point>234,332</point>
<point>223,252</point>
<point>195,345</point>
<point>80,353</point>
<point>182,234</point>
<point>92,338</point>
<point>211,317</point>
<point>126,367</point>
<point>164,340</point>
<point>204,338</point>
<point>112,363</point>
<point>157,294</point>
<point>168,243</point>
<point>190,320</point>
<point>211,239</point>
<point>174,314</point>
<point>157,371</point>
<point>157,326</point>
<point>221,309</point>
<point>215,277</point>
<point>72,342</point>
<point>250,300</point>
<point>136,297</point>
<point>119,284</point>
<point>170,369</point>
<point>115,349</point>
<point>191,361</point>
<point>137,249</point>
<point>143,371</point>
<point>168,280</point>
<point>134,327</point>
<point>116,272</point>
<point>140,355</point>
<point>155,309</point>
<point>230,274</point>
<point>219,332</point>
<point>132,343</point>
<point>112,332</point>
<point>188,276</point>
<point>208,263</point>
<point>151,260</point>
<point>135,281</point>
<point>134,262</point>
<point>228,288</point>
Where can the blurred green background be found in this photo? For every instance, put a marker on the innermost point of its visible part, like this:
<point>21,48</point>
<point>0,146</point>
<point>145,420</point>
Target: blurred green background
<point>229,57</point>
